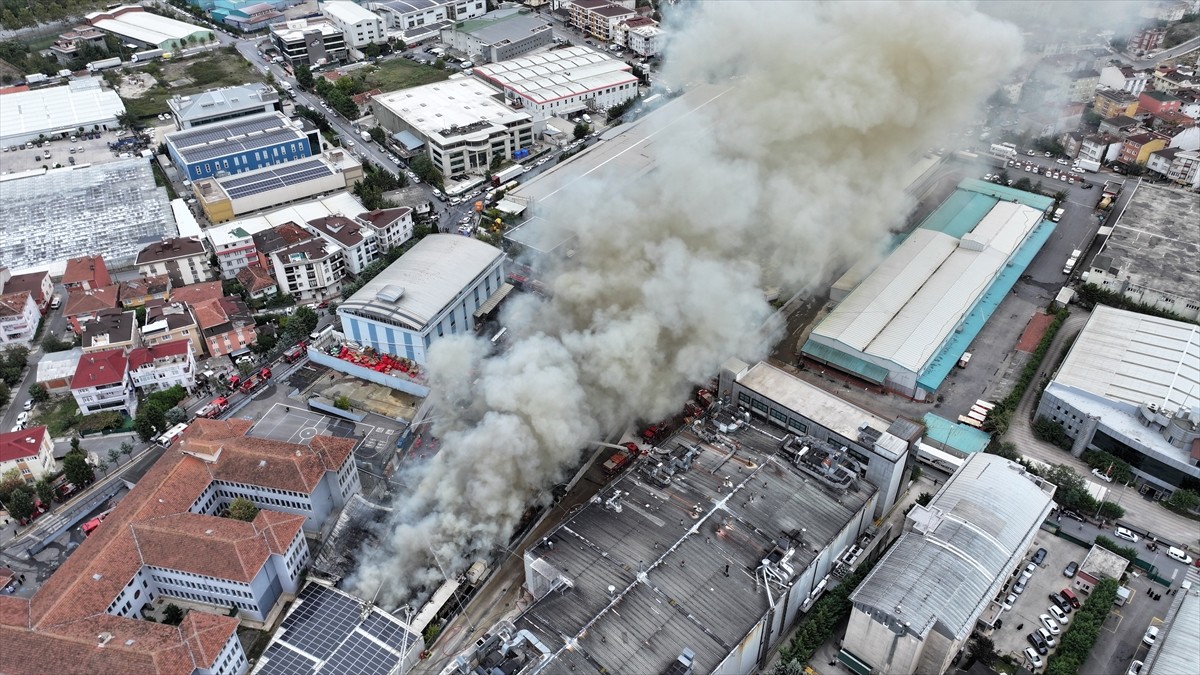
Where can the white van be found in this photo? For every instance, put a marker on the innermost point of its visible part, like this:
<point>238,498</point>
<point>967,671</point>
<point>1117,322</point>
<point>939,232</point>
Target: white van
<point>1071,261</point>
<point>1180,555</point>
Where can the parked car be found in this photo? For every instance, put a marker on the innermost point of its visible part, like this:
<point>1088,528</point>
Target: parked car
<point>1070,597</point>
<point>1051,642</point>
<point>22,418</point>
<point>1034,659</point>
<point>1150,636</point>
<point>28,405</point>
<point>1039,557</point>
<point>1179,554</point>
<point>1061,602</point>
<point>1009,602</point>
<point>1071,568</point>
<point>1035,639</point>
<point>1135,668</point>
<point>1122,533</point>
<point>1050,624</point>
<point>1102,476</point>
<point>1060,615</point>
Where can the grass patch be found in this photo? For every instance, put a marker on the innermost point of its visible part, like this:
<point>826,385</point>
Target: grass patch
<point>59,416</point>
<point>219,68</point>
<point>394,74</point>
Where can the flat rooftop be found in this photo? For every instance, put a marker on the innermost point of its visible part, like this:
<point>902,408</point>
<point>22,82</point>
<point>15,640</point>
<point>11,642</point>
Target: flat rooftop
<point>1156,242</point>
<point>143,26</point>
<point>839,415</point>
<point>1135,358</point>
<point>504,25</point>
<point>647,571</point>
<point>230,233</point>
<point>49,110</point>
<point>557,74</point>
<point>449,108</point>
<point>222,101</point>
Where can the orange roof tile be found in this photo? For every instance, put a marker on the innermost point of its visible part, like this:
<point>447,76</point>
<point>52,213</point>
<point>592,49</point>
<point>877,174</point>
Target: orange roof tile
<point>209,313</point>
<point>193,293</point>
<point>89,302</point>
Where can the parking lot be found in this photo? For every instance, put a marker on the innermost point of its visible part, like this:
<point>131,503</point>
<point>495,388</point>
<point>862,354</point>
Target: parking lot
<point>1120,640</point>
<point>87,151</point>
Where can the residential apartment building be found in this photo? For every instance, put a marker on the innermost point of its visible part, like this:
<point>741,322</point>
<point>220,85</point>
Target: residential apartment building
<point>1170,79</point>
<point>1110,103</point>
<point>38,284</point>
<point>138,292</point>
<point>1137,148</point>
<point>392,227</point>
<point>163,366</point>
<point>1120,126</point>
<point>171,321</point>
<point>309,42</point>
<point>1189,102</point>
<point>1185,169</point>
<point>238,145</point>
<point>311,270</point>
<point>86,273</point>
<point>1157,102</point>
<point>102,383</point>
<point>111,329</point>
<point>85,305</point>
<point>598,18</point>
<point>183,259</point>
<point>499,35</point>
<point>360,26</point>
<point>1160,162</point>
<point>227,326</point>
<point>459,123</point>
<point>1125,79</point>
<point>19,318</point>
<point>645,41</point>
<point>1100,148</point>
<point>29,452</point>
<point>1146,41</point>
<point>367,237</point>
<point>222,105</point>
<point>258,282</point>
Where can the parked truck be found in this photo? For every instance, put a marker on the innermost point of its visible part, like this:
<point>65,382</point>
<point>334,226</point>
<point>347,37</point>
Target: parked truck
<point>148,55</point>
<point>103,64</point>
<point>216,407</point>
<point>292,355</point>
<point>365,135</point>
<point>1088,165</point>
<point>504,175</point>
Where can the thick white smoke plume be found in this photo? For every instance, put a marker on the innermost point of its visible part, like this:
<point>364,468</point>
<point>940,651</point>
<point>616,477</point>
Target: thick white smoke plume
<point>792,168</point>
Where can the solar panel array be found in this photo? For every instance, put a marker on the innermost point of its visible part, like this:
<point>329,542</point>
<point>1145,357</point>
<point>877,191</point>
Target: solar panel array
<point>220,131</point>
<point>279,660</point>
<point>360,656</point>
<point>291,173</point>
<point>325,625</point>
<point>232,147</point>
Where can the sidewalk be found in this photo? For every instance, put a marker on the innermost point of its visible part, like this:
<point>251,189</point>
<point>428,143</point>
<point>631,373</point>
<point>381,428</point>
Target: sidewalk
<point>1138,511</point>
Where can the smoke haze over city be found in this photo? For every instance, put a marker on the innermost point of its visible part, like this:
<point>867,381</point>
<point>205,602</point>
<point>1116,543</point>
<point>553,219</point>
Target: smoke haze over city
<point>791,169</point>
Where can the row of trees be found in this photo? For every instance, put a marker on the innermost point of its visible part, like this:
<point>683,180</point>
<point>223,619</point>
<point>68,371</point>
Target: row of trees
<point>159,412</point>
<point>820,622</point>
<point>376,181</point>
<point>1089,295</point>
<point>12,368</point>
<point>1077,642</point>
<point>1000,416</point>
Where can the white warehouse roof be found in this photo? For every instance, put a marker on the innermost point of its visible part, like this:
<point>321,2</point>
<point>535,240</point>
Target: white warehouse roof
<point>434,109</point>
<point>954,560</point>
<point>904,311</point>
<point>81,103</point>
<point>348,12</point>
<point>557,73</point>
<point>1135,358</point>
<point>416,288</point>
<point>143,26</point>
<point>342,203</point>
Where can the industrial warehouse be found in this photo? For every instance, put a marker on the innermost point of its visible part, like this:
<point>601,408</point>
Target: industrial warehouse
<point>906,325</point>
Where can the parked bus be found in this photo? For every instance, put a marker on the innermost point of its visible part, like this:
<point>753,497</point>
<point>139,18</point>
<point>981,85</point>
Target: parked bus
<point>173,433</point>
<point>970,422</point>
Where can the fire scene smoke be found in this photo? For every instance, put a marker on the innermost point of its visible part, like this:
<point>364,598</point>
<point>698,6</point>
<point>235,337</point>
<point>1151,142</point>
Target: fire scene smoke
<point>793,166</point>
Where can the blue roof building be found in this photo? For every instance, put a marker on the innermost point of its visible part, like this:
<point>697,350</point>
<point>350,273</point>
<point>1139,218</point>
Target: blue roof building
<point>239,145</point>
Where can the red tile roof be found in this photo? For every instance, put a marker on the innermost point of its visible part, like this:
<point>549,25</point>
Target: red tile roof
<point>90,302</point>
<point>88,268</point>
<point>254,279</point>
<point>13,304</point>
<point>195,293</point>
<point>16,445</point>
<point>143,355</point>
<point>100,368</point>
<point>209,313</point>
<point>152,526</point>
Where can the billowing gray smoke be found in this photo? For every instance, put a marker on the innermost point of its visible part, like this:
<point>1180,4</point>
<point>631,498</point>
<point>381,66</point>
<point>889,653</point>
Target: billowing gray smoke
<point>792,168</point>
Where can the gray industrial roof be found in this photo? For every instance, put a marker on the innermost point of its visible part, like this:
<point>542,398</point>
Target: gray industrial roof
<point>415,289</point>
<point>1152,246</point>
<point>685,537</point>
<point>222,101</point>
<point>504,25</point>
<point>951,564</point>
<point>1176,648</point>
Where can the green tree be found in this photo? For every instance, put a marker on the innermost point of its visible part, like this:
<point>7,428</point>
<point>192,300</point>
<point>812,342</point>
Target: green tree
<point>114,457</point>
<point>582,130</point>
<point>983,649</point>
<point>144,427</point>
<point>44,490</point>
<point>176,415</point>
<point>5,394</point>
<point>423,167</point>
<point>242,509</point>
<point>127,449</point>
<point>378,135</point>
<point>342,402</point>
<point>20,504</point>
<point>52,343</point>
<point>924,498</point>
<point>302,322</point>
<point>304,77</point>
<point>172,615</point>
<point>11,481</point>
<point>76,469</point>
<point>128,120</point>
<point>1184,500</point>
<point>37,394</point>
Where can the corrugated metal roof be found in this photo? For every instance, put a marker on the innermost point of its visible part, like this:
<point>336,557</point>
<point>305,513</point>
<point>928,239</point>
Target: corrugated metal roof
<point>905,310</point>
<point>947,570</point>
<point>1136,358</point>
<point>1176,649</point>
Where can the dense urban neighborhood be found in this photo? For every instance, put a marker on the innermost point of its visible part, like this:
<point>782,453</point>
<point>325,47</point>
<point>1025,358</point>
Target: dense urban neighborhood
<point>489,337</point>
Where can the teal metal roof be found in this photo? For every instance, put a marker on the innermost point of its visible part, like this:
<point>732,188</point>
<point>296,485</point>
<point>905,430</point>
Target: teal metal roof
<point>960,437</point>
<point>842,361</point>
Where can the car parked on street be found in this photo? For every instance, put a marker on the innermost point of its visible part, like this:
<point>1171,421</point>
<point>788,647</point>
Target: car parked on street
<point>1102,476</point>
<point>1034,659</point>
<point>1122,533</point>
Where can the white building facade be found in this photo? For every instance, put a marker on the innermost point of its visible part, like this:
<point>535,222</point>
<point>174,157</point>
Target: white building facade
<point>360,26</point>
<point>310,270</point>
<point>401,15</point>
<point>102,383</point>
<point>29,452</point>
<point>562,81</point>
<point>163,366</point>
<point>645,40</point>
<point>19,318</point>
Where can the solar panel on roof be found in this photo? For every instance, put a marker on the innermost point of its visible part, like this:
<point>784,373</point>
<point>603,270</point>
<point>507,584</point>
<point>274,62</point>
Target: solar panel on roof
<point>320,623</point>
<point>279,660</point>
<point>359,655</point>
<point>387,631</point>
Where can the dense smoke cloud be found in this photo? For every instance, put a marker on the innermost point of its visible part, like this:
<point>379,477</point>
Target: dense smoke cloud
<point>792,168</point>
